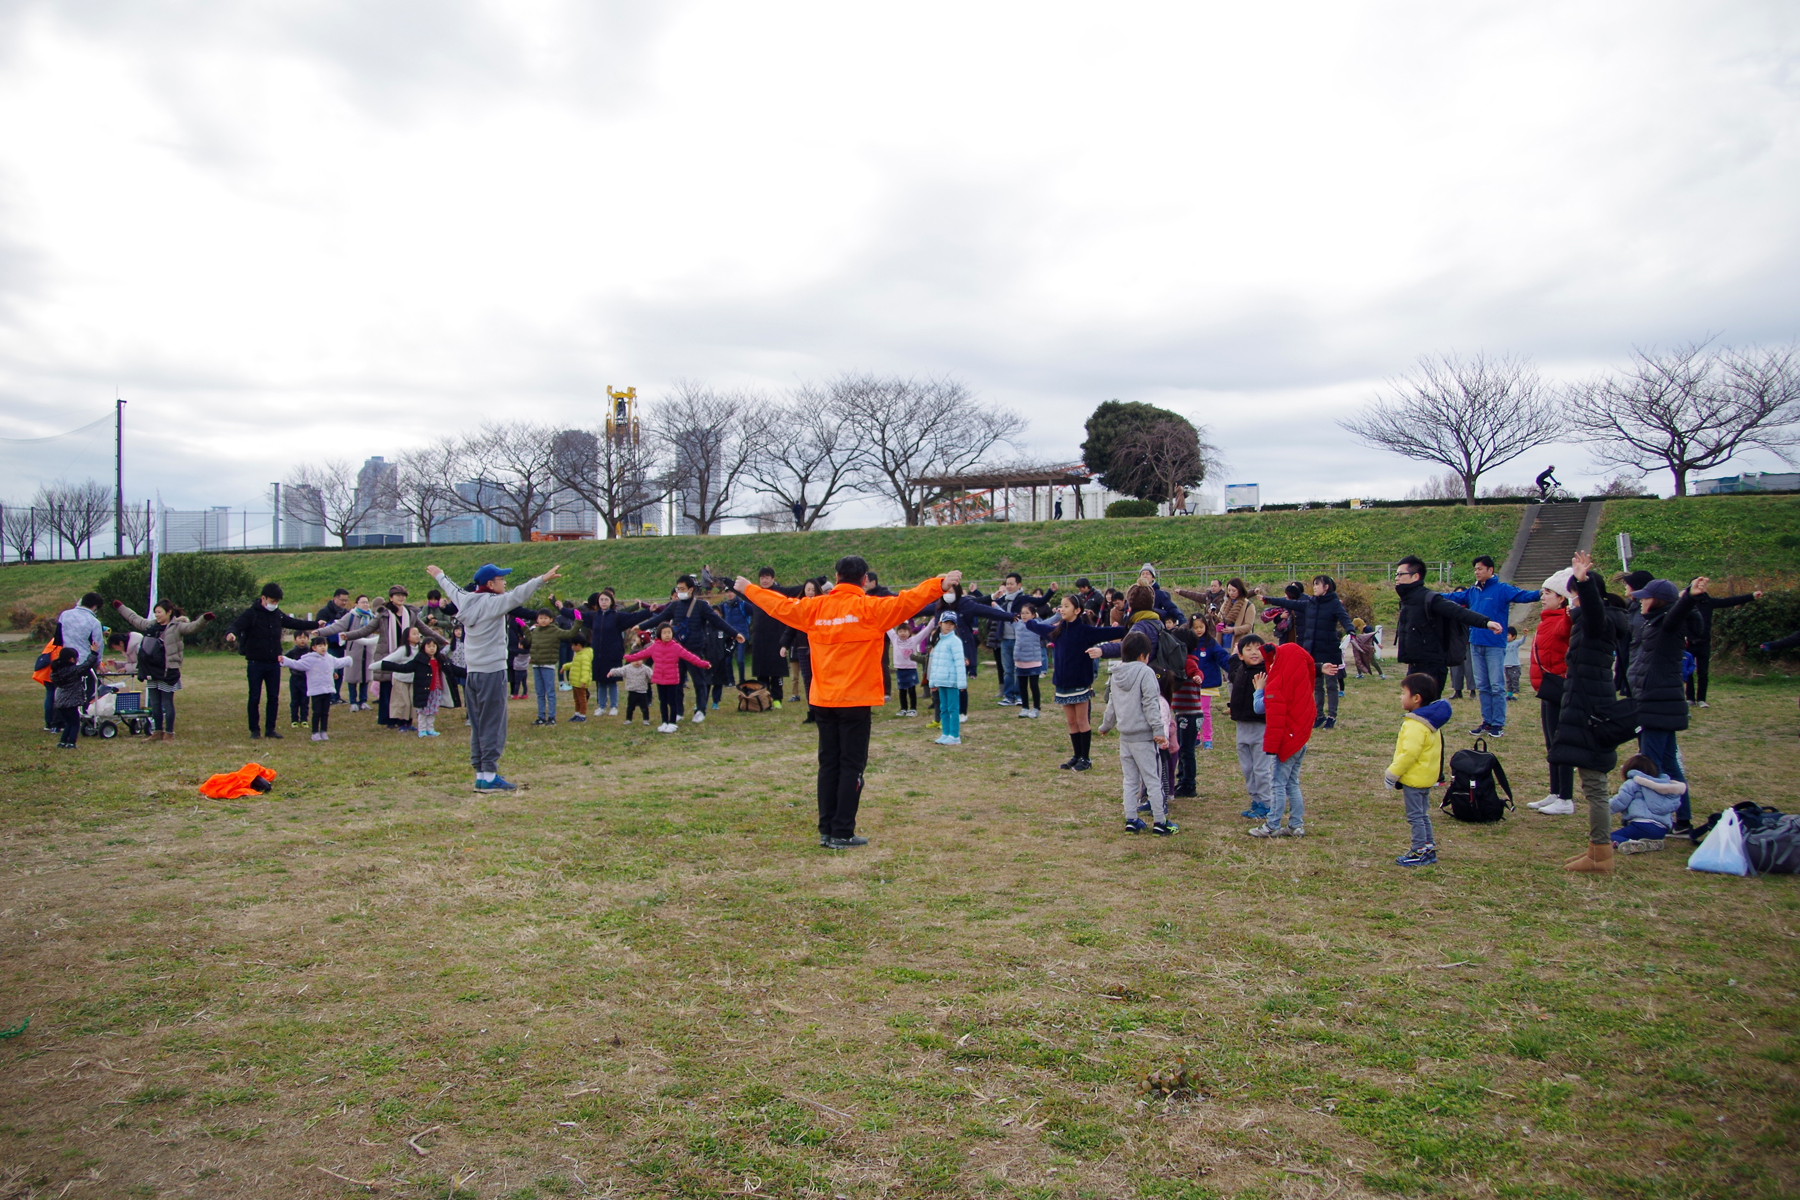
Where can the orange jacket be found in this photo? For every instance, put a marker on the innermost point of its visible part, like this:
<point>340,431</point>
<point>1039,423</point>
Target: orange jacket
<point>42,674</point>
<point>235,785</point>
<point>846,629</point>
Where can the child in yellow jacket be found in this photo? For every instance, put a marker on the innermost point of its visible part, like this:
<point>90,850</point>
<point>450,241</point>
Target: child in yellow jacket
<point>1418,762</point>
<point>579,671</point>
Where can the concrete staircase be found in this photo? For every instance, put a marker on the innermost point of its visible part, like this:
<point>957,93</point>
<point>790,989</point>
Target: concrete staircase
<point>1548,535</point>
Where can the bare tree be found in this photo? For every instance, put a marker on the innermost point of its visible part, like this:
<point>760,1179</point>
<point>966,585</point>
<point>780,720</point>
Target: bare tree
<point>423,486</point>
<point>22,528</point>
<point>808,454</point>
<point>75,512</point>
<point>326,494</point>
<point>1692,407</point>
<point>1448,486</point>
<point>620,476</point>
<point>709,438</point>
<point>914,430</point>
<point>135,527</point>
<point>513,466</point>
<point>1157,460</point>
<point>1468,414</point>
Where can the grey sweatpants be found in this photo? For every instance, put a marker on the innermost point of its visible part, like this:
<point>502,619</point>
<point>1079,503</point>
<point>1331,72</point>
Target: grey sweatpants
<point>1143,777</point>
<point>1256,763</point>
<point>486,702</point>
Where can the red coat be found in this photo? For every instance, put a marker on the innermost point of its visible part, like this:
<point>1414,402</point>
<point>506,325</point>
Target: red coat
<point>1287,699</point>
<point>1550,649</point>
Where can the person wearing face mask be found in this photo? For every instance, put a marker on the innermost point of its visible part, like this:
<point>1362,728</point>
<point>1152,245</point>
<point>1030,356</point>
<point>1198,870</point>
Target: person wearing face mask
<point>692,617</point>
<point>257,635</point>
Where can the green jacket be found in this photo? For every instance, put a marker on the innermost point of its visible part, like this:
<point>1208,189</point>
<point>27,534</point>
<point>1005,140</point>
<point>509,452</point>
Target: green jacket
<point>545,644</point>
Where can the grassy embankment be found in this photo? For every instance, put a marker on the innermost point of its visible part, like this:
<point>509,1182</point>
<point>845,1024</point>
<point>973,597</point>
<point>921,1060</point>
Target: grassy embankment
<point>640,977</point>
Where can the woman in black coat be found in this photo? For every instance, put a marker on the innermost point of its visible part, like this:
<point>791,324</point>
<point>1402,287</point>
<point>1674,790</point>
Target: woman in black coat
<point>607,623</point>
<point>1588,692</point>
<point>769,641</point>
<point>1656,683</point>
<point>1317,619</point>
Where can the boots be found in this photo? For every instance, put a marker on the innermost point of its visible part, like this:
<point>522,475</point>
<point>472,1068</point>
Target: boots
<point>1597,861</point>
<point>156,735</point>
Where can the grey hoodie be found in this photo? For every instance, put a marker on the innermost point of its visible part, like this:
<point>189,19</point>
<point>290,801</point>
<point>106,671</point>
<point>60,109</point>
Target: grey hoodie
<point>483,617</point>
<point>1133,703</point>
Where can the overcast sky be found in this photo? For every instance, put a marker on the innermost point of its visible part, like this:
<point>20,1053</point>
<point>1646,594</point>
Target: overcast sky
<point>334,228</point>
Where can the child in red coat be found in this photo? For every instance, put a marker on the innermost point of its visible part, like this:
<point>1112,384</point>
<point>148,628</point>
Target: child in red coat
<point>1284,696</point>
<point>666,656</point>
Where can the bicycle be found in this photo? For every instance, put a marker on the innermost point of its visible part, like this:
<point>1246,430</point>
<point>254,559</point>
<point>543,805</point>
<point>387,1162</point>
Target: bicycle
<point>1556,493</point>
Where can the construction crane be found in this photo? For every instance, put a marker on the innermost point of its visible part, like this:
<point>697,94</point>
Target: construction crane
<point>621,416</point>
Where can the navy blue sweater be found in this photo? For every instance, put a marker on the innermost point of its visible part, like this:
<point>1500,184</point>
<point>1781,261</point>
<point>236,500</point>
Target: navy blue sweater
<point>1074,670</point>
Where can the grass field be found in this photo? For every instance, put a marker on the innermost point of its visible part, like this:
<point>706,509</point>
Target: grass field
<point>641,978</point>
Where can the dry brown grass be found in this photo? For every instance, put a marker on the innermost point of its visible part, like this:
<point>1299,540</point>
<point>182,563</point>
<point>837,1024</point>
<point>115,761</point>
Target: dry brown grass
<point>641,978</point>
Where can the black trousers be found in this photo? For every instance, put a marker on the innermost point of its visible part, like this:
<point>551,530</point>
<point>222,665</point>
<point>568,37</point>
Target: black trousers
<point>1438,671</point>
<point>701,678</point>
<point>1562,775</point>
<point>843,754</point>
<point>773,683</point>
<point>297,705</point>
<point>668,698</point>
<point>635,701</point>
<point>321,714</point>
<point>264,677</point>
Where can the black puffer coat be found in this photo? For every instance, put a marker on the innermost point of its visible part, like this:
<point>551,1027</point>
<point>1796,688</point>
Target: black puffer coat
<point>1660,641</point>
<point>1419,638</point>
<point>1588,685</point>
<point>1316,623</point>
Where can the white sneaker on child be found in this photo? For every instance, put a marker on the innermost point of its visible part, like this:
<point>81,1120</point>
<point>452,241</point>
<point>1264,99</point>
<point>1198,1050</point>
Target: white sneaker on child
<point>699,717</point>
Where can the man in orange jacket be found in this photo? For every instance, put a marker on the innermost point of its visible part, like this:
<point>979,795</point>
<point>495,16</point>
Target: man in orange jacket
<point>847,629</point>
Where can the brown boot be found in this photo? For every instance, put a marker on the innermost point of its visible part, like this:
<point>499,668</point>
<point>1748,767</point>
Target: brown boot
<point>1575,862</point>
<point>156,735</point>
<point>1597,861</point>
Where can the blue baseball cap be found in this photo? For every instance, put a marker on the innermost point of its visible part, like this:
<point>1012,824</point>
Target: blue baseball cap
<point>489,572</point>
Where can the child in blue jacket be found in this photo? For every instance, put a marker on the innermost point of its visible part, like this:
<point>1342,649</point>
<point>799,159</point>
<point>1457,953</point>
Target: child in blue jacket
<point>1649,799</point>
<point>948,675</point>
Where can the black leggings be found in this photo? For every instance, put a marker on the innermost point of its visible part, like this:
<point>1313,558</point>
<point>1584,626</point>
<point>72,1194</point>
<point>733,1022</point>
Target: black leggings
<point>909,699</point>
<point>162,709</point>
<point>1696,683</point>
<point>1562,775</point>
<point>668,695</point>
<point>1028,691</point>
<point>635,701</point>
<point>321,714</point>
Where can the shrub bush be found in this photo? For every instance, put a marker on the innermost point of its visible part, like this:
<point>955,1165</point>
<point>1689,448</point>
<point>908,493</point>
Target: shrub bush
<point>1743,629</point>
<point>1358,599</point>
<point>21,616</point>
<point>199,583</point>
<point>1131,508</point>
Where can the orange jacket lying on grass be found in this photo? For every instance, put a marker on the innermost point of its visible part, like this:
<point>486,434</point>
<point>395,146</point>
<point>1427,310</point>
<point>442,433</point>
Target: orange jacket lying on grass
<point>846,629</point>
<point>235,785</point>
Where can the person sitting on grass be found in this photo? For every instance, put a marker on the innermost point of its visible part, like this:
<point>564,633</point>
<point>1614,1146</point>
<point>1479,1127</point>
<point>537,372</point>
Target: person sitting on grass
<point>1419,761</point>
<point>1649,799</point>
<point>1134,708</point>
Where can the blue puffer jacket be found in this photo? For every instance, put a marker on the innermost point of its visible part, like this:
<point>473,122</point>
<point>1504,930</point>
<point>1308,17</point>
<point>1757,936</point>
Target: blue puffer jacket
<point>1649,798</point>
<point>1493,600</point>
<point>946,668</point>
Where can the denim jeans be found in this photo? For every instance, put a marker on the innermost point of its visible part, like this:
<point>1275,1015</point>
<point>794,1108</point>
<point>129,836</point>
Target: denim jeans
<point>543,682</point>
<point>1488,670</point>
<point>1286,788</point>
<point>1418,815</point>
<point>1009,689</point>
<point>1660,745</point>
<point>606,695</point>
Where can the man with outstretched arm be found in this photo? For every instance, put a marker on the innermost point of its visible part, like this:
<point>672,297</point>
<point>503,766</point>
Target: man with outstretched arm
<point>847,629</point>
<point>483,612</point>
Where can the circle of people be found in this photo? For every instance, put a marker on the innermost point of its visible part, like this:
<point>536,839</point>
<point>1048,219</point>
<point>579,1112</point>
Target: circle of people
<point>1607,669</point>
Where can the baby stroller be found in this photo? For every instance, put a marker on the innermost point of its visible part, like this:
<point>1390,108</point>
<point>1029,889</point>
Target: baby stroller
<point>103,713</point>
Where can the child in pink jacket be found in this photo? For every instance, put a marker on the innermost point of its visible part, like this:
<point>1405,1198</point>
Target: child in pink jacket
<point>666,656</point>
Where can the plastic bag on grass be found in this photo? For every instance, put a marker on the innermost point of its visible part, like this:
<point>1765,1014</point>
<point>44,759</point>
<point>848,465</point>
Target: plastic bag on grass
<point>1723,850</point>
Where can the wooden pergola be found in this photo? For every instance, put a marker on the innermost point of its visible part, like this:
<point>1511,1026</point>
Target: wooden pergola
<point>1014,479</point>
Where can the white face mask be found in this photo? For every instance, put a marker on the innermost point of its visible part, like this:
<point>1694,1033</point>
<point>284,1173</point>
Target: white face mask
<point>269,604</point>
<point>681,595</point>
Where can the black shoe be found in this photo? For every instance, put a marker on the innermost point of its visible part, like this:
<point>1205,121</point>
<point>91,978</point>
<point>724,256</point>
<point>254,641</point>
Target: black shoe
<point>1456,696</point>
<point>1492,732</point>
<point>1682,829</point>
<point>1331,722</point>
<point>255,734</point>
<point>1318,722</point>
<point>1479,730</point>
<point>1068,766</point>
<point>825,840</point>
<point>1187,795</point>
<point>847,843</point>
<point>271,733</point>
<point>1086,764</point>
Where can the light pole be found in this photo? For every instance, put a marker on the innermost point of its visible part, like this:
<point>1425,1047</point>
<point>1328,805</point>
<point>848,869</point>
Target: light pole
<point>119,478</point>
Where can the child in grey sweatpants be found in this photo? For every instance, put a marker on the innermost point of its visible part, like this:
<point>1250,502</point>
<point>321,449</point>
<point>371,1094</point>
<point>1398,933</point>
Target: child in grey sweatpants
<point>1257,764</point>
<point>1133,708</point>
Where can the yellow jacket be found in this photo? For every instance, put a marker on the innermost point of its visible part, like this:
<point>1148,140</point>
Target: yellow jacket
<point>581,668</point>
<point>1419,750</point>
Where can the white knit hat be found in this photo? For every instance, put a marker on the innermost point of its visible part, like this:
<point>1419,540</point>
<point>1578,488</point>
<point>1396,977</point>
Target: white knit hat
<point>1561,583</point>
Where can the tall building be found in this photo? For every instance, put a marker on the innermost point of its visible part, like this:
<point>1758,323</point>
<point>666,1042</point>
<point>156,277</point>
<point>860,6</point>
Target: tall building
<point>376,486</point>
<point>472,526</point>
<point>576,451</point>
<point>299,504</point>
<point>186,532</point>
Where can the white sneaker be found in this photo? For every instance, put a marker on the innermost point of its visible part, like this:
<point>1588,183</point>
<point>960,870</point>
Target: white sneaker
<point>699,718</point>
<point>612,712</point>
<point>1544,801</point>
<point>1559,808</point>
<point>666,728</point>
<point>1024,714</point>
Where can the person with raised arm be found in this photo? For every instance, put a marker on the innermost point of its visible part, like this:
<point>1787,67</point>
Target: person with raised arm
<point>846,629</point>
<point>483,611</point>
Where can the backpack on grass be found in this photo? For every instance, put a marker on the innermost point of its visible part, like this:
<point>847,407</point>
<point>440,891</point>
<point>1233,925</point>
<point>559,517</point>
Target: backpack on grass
<point>1476,781</point>
<point>754,697</point>
<point>1774,848</point>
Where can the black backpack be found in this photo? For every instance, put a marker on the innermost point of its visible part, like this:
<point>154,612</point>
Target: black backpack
<point>1473,794</point>
<point>152,658</point>
<point>1455,637</point>
<point>1171,656</point>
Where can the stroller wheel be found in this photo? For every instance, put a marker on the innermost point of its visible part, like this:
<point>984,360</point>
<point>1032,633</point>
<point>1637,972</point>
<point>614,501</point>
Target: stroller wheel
<point>108,730</point>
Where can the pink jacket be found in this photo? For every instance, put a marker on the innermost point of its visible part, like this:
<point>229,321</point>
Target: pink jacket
<point>666,659</point>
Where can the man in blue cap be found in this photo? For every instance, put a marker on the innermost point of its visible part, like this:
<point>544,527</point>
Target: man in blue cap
<point>482,612</point>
